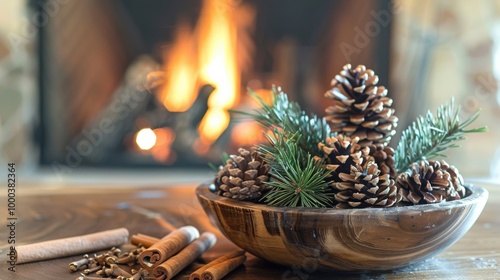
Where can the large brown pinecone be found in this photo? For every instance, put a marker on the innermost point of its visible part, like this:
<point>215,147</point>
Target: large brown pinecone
<point>364,186</point>
<point>384,158</point>
<point>244,177</point>
<point>360,107</point>
<point>430,182</point>
<point>340,152</point>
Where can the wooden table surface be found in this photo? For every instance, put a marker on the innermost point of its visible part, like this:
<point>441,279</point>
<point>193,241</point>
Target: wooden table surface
<point>51,213</point>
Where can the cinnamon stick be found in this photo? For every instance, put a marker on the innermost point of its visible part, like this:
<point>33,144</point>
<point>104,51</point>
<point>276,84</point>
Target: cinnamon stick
<point>145,240</point>
<point>217,271</point>
<point>71,246</point>
<point>197,275</point>
<point>175,264</point>
<point>168,246</point>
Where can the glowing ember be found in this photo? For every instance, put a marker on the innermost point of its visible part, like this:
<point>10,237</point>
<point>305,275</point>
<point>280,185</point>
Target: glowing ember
<point>162,150</point>
<point>145,139</point>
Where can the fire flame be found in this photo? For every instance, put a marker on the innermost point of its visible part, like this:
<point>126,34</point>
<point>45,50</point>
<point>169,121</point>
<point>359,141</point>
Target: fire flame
<point>215,62</point>
<point>178,92</point>
<point>218,66</point>
<point>217,58</point>
<point>211,54</point>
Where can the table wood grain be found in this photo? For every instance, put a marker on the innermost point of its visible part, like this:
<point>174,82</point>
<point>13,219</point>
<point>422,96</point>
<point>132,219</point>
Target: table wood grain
<point>50,213</point>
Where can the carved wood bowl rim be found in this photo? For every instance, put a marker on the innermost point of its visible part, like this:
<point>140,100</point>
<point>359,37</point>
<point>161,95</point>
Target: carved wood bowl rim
<point>473,195</point>
<point>352,240</point>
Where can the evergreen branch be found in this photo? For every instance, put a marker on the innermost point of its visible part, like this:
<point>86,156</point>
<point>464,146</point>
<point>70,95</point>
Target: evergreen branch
<point>298,179</point>
<point>429,136</point>
<point>288,116</point>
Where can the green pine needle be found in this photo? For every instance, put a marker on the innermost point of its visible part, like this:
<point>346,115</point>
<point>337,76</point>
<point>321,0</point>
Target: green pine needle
<point>298,179</point>
<point>288,116</point>
<point>429,136</point>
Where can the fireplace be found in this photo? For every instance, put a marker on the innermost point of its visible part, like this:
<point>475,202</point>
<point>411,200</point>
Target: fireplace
<point>151,84</point>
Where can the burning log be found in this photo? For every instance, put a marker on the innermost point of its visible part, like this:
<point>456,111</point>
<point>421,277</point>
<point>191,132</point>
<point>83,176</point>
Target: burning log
<point>103,136</point>
<point>133,102</point>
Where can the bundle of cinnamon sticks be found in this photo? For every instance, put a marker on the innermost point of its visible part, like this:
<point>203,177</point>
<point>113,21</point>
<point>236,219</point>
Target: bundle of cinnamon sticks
<point>159,258</point>
<point>171,254</point>
<point>174,252</point>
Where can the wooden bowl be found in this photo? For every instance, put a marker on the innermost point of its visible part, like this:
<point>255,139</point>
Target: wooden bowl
<point>343,239</point>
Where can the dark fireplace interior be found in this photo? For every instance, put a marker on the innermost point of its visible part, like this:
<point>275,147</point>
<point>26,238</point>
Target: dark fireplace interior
<point>150,83</point>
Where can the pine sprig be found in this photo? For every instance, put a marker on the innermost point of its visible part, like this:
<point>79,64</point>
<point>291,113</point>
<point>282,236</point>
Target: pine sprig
<point>289,116</point>
<point>429,136</point>
<point>298,179</point>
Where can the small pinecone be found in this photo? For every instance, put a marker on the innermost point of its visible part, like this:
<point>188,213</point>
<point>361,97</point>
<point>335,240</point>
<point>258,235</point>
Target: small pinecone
<point>364,187</point>
<point>360,107</point>
<point>340,153</point>
<point>456,179</point>
<point>384,158</point>
<point>244,176</point>
<point>430,182</point>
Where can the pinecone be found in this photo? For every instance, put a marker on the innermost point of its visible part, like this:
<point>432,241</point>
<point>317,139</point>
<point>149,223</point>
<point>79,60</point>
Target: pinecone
<point>340,152</point>
<point>360,107</point>
<point>430,182</point>
<point>244,176</point>
<point>384,158</point>
<point>456,179</point>
<point>364,186</point>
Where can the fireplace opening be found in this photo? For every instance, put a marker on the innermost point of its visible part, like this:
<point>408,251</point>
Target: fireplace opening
<point>151,84</point>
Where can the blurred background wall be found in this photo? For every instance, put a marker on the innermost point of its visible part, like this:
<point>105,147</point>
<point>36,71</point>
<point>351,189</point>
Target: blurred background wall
<point>444,49</point>
<point>18,94</point>
<point>435,50</point>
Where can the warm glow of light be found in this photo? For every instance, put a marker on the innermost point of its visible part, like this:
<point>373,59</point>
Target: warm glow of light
<point>247,134</point>
<point>213,124</point>
<point>265,94</point>
<point>162,150</point>
<point>178,91</point>
<point>218,66</point>
<point>201,147</point>
<point>209,55</point>
<point>145,139</point>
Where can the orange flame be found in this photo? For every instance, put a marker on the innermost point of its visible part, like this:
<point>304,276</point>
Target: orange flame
<point>178,92</point>
<point>218,66</point>
<point>216,62</point>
